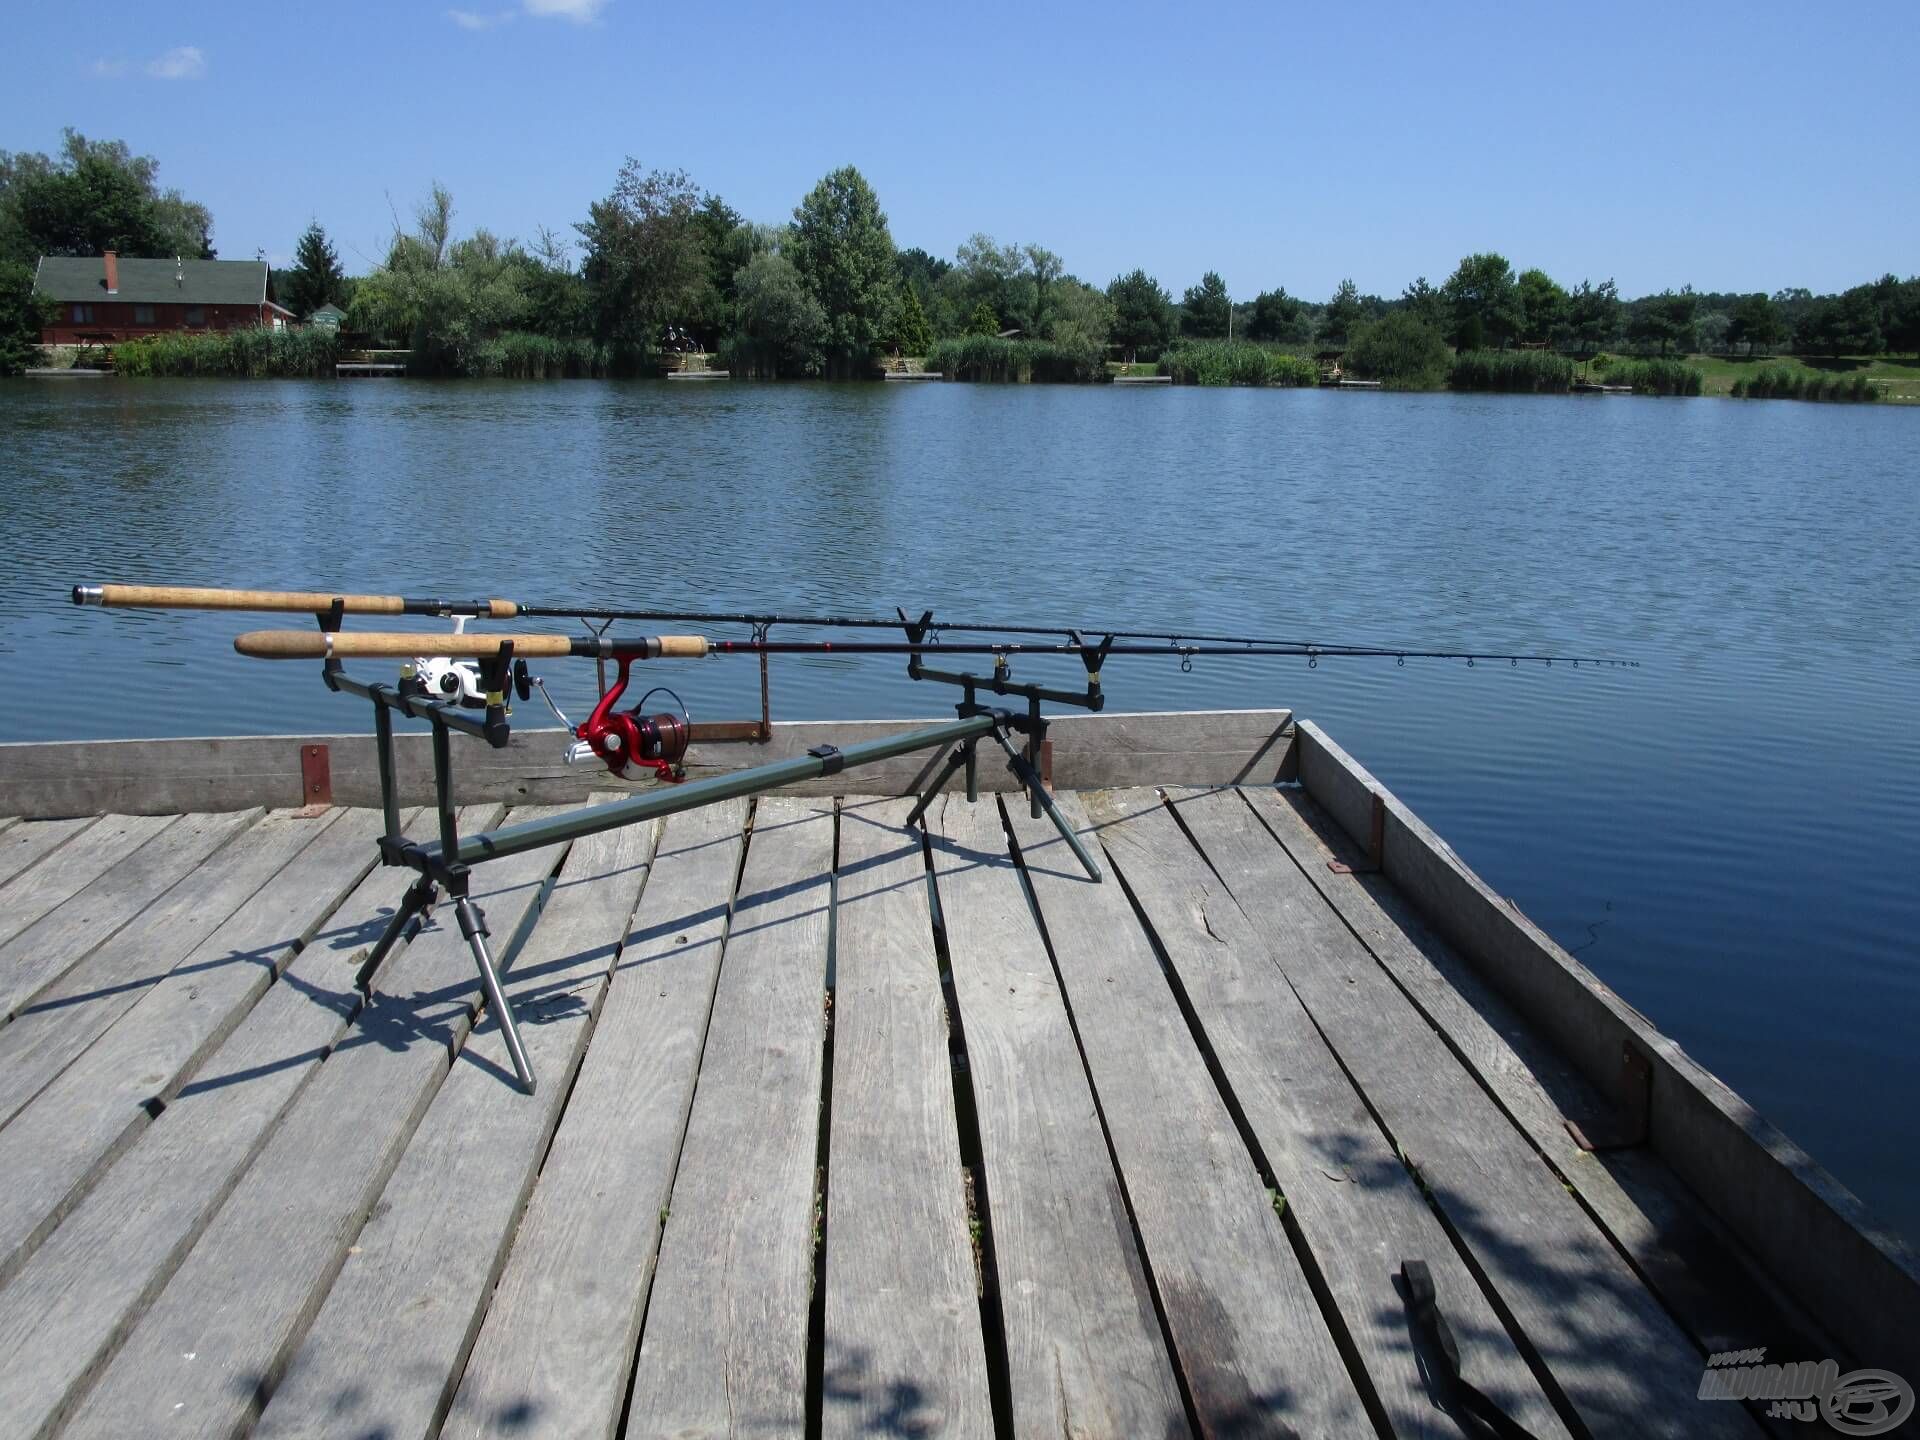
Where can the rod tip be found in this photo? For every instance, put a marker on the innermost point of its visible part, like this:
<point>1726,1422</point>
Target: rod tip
<point>89,595</point>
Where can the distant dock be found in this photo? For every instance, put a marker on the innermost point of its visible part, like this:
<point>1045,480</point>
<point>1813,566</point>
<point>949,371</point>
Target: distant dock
<point>366,369</point>
<point>698,374</point>
<point>1143,379</point>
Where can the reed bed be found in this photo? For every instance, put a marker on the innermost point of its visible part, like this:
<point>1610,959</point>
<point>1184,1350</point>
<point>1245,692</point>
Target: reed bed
<point>992,360</point>
<point>1784,382</point>
<point>253,353</point>
<point>1532,372</point>
<point>1236,362</point>
<point>1648,377</point>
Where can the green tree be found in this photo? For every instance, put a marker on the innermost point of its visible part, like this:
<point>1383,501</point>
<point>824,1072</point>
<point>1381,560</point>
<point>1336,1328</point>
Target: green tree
<point>444,297</point>
<point>1080,319</point>
<point>1399,349</point>
<point>316,278</point>
<point>96,195</point>
<point>1757,323</point>
<point>1666,320</point>
<point>911,330</point>
<point>1142,313</point>
<point>1903,319</point>
<point>1593,316</point>
<point>22,314</point>
<point>1836,325</point>
<point>983,321</point>
<point>1425,304</point>
<point>1543,306</point>
<point>1204,308</point>
<point>843,250</point>
<point>556,295</point>
<point>1343,312</point>
<point>646,256</point>
<point>780,328</point>
<point>1485,302</point>
<point>1279,316</point>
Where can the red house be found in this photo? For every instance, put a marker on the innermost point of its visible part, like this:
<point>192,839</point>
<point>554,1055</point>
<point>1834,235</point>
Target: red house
<point>103,298</point>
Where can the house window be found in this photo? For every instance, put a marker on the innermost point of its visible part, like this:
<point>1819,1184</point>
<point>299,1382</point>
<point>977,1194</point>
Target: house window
<point>83,314</point>
<point>143,315</point>
<point>196,315</point>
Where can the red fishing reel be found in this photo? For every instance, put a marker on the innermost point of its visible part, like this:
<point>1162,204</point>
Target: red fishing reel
<point>631,739</point>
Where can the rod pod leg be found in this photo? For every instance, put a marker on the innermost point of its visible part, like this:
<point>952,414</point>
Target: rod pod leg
<point>1042,800</point>
<point>419,900</point>
<point>474,927</point>
<point>962,755</point>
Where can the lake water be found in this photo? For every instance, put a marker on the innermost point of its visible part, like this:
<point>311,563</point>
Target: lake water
<point>1728,834</point>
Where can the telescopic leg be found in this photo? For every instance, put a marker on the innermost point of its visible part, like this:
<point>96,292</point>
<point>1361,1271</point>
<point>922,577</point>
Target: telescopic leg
<point>962,755</point>
<point>419,899</point>
<point>1030,778</point>
<point>475,929</point>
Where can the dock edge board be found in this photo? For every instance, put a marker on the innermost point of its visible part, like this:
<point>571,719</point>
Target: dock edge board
<point>1812,1235</point>
<point>44,780</point>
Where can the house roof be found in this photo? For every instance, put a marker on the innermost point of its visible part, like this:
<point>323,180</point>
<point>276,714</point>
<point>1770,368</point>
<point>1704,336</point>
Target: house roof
<point>147,282</point>
<point>331,311</point>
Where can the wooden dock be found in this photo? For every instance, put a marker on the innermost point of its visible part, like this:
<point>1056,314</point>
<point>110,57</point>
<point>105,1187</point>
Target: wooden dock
<point>845,1129</point>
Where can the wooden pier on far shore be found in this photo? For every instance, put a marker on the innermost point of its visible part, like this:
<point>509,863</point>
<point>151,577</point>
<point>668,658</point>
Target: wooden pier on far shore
<point>847,1129</point>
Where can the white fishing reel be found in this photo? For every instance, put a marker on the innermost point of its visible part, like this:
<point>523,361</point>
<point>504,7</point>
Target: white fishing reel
<point>457,681</point>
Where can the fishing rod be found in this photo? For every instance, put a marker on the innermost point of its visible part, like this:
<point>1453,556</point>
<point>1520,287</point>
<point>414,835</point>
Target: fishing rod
<point>207,598</point>
<point>446,676</point>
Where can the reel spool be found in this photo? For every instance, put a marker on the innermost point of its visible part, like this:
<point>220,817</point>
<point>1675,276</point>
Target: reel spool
<point>629,739</point>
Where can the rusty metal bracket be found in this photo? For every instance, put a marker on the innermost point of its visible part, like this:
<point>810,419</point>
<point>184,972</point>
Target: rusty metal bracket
<point>1628,1126</point>
<point>1376,844</point>
<point>316,780</point>
<point>1046,763</point>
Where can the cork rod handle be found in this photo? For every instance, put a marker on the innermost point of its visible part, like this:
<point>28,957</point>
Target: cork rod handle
<point>207,597</point>
<point>350,645</point>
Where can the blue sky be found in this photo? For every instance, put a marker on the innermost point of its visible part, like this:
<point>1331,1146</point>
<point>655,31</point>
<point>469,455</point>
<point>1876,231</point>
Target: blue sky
<point>1739,147</point>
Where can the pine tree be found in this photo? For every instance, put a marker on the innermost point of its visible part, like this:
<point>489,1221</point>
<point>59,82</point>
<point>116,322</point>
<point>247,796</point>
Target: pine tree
<point>984,321</point>
<point>316,278</point>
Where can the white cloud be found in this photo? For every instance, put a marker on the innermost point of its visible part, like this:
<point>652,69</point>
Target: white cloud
<point>581,12</point>
<point>183,62</point>
<point>474,20</point>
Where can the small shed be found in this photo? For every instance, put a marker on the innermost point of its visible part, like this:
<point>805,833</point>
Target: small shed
<point>329,317</point>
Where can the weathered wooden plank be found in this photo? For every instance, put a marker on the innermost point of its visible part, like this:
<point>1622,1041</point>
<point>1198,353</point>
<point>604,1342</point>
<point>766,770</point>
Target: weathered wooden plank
<point>210,1350</point>
<point>1246,1328</point>
<point>387,1347</point>
<point>67,1310</point>
<point>903,1345</point>
<point>1085,1352</point>
<point>1357,1207</point>
<point>557,1345</point>
<point>1619,1359</point>
<point>96,849</point>
<point>23,846</point>
<point>67,935</point>
<point>556,1349</point>
<point>70,1014</point>
<point>724,1351</point>
<point>1702,1274</point>
<point>58,1143</point>
<point>1811,1234</point>
<point>172,776</point>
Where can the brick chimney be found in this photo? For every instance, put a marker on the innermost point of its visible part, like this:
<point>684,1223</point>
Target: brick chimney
<point>113,273</point>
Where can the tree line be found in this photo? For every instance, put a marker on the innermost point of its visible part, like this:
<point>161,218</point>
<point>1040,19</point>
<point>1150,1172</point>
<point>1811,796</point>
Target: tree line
<point>660,263</point>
